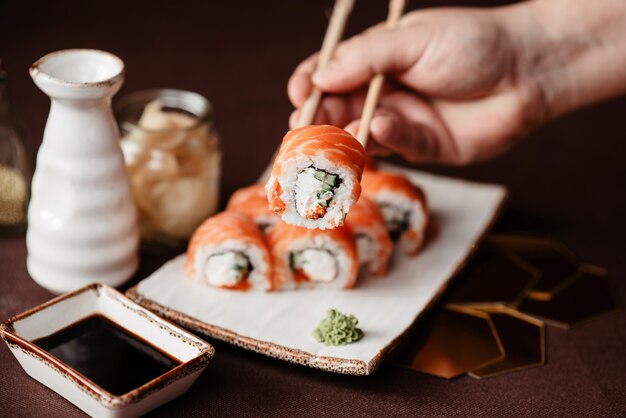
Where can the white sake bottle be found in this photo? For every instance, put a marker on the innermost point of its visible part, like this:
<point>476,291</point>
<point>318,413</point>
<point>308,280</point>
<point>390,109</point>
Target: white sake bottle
<point>82,223</point>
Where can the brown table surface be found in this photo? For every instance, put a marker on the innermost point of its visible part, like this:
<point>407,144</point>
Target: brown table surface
<point>567,180</point>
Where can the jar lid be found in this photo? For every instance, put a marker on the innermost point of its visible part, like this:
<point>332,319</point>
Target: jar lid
<point>129,108</point>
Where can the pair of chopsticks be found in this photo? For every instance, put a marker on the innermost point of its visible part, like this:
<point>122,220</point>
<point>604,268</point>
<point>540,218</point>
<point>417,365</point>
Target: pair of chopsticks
<point>334,32</point>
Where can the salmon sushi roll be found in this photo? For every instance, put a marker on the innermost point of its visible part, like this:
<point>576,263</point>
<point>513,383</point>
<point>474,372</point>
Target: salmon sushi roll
<point>403,206</point>
<point>316,176</point>
<point>252,201</point>
<point>229,251</point>
<point>373,244</point>
<point>312,258</point>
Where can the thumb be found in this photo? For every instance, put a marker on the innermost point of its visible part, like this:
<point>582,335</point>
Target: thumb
<point>359,58</point>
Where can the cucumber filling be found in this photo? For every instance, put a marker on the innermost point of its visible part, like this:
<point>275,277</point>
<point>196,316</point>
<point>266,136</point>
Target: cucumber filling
<point>396,219</point>
<point>315,264</point>
<point>314,191</point>
<point>227,269</point>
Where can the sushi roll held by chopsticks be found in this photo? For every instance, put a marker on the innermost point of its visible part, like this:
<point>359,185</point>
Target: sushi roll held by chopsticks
<point>316,173</point>
<point>229,251</point>
<point>312,258</point>
<point>316,176</point>
<point>403,206</point>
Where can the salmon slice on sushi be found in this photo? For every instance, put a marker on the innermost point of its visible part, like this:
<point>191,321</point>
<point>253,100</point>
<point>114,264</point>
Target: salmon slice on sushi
<point>374,246</point>
<point>403,206</point>
<point>316,176</point>
<point>228,251</point>
<point>312,258</point>
<point>252,201</point>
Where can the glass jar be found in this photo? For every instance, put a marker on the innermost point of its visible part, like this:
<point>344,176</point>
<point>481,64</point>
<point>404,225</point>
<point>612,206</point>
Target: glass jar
<point>173,159</point>
<point>14,173</point>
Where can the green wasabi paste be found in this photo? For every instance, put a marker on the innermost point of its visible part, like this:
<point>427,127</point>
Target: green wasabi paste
<point>338,329</point>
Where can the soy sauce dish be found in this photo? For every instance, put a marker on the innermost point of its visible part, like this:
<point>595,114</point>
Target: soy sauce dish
<point>104,353</point>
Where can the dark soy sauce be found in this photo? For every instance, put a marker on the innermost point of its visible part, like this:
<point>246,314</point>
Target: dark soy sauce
<point>108,355</point>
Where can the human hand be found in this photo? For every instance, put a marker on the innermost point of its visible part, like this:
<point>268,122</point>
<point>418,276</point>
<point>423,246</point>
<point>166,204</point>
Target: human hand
<point>457,92</point>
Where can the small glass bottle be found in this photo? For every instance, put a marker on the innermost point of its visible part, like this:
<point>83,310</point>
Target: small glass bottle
<point>173,158</point>
<point>14,173</point>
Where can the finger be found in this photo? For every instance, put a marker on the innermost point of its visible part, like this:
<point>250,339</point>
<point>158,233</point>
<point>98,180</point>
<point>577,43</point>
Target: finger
<point>392,132</point>
<point>421,119</point>
<point>377,27</point>
<point>293,119</point>
<point>358,59</point>
<point>353,127</point>
<point>342,109</point>
<point>335,110</point>
<point>300,85</point>
<point>372,147</point>
<point>409,126</point>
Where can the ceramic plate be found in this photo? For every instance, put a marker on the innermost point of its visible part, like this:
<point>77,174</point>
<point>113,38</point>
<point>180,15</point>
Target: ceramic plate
<point>280,324</point>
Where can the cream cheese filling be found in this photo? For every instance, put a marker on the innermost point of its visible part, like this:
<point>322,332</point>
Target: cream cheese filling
<point>317,264</point>
<point>226,269</point>
<point>396,219</point>
<point>314,190</point>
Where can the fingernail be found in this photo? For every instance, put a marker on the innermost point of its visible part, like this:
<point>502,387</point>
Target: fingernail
<point>382,127</point>
<point>318,77</point>
<point>321,75</point>
<point>293,119</point>
<point>352,127</point>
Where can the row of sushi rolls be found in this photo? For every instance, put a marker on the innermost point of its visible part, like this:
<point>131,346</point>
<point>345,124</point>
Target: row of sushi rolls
<point>322,219</point>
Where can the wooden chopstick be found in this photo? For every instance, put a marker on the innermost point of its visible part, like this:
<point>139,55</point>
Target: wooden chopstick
<point>396,7</point>
<point>334,32</point>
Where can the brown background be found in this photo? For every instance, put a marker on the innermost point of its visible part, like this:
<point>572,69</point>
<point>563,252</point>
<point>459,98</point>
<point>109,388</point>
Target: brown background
<point>568,180</point>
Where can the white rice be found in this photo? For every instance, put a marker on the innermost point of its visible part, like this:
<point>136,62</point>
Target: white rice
<point>339,205</point>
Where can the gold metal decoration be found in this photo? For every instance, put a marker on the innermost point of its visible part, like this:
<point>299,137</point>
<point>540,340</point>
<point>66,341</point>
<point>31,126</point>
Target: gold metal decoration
<point>557,264</point>
<point>494,277</point>
<point>454,342</point>
<point>491,319</point>
<point>522,338</point>
<point>585,298</point>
